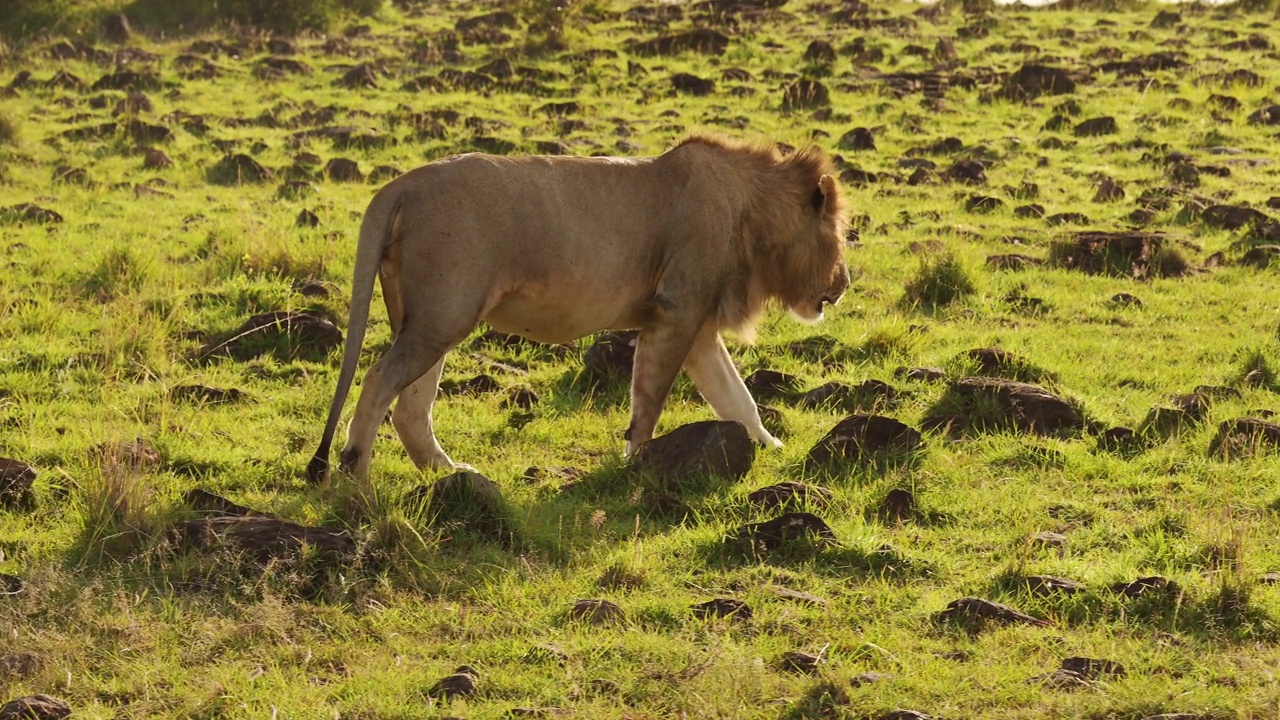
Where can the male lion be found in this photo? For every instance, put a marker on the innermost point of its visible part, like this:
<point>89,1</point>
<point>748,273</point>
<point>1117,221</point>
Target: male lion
<point>682,245</point>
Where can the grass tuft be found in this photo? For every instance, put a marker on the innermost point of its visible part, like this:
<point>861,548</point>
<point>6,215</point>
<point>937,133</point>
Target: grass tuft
<point>117,509</point>
<point>939,282</point>
<point>8,129</point>
<point>117,272</point>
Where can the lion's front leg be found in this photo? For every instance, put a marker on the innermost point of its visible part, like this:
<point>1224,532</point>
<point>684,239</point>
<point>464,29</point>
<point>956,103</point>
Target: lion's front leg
<point>712,371</point>
<point>660,350</point>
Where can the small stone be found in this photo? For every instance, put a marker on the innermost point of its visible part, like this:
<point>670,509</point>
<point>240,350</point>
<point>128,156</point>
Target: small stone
<point>16,479</point>
<point>774,534</point>
<point>1047,539</point>
<point>155,159</point>
<point>19,665</point>
<point>1049,585</point>
<point>869,678</point>
<point>11,585</point>
<point>723,608</point>
<point>462,683</point>
<point>781,494</point>
<point>343,170</point>
<point>35,707</point>
<point>898,505</point>
<point>306,218</point>
<point>800,662</point>
<point>1153,584</point>
<point>596,612</point>
<point>968,610</point>
<point>861,438</point>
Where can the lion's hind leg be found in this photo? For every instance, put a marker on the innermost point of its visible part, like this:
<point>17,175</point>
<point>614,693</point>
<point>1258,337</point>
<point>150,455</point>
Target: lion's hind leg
<point>412,420</point>
<point>711,368</point>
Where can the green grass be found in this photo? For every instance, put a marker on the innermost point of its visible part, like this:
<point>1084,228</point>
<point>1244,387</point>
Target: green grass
<point>103,315</point>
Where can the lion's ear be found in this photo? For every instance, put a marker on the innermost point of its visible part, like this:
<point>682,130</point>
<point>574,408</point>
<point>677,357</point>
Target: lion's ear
<point>824,195</point>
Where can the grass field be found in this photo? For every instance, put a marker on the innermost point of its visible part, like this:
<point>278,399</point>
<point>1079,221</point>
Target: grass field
<point>176,194</point>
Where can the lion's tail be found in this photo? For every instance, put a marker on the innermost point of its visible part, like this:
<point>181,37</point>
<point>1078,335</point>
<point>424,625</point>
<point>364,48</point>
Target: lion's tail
<point>376,229</point>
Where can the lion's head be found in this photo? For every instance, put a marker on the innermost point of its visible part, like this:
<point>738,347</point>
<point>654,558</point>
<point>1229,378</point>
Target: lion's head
<point>800,235</point>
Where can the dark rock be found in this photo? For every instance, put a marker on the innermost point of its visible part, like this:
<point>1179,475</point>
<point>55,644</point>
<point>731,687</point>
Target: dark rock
<point>723,608</point>
<point>1261,256</point>
<point>116,28</point>
<point>922,374</point>
<point>1269,115</point>
<point>972,611</point>
<point>692,84</point>
<point>481,384</point>
<point>609,360</point>
<point>522,398</point>
<point>273,67</point>
<point>699,40</point>
<point>360,76</point>
<point>1166,19</point>
<point>1000,363</point>
<point>35,707</point>
<point>284,333</point>
<point>1244,437</point>
<point>1232,217</point>
<point>869,678</point>
<point>982,204</point>
<point>1153,584</point>
<point>238,169</point>
<point>859,138</point>
<point>1029,212</point>
<point>771,384</point>
<point>864,438</point>
<point>1093,668</point>
<point>461,684</point>
<point>712,448</point>
<point>805,94</point>
<point>1049,539</point>
<point>999,404</point>
<point>898,505</point>
<point>1061,679</point>
<point>205,394</point>
<point>306,218</point>
<point>966,171</point>
<point>1049,585</point>
<point>1012,261</point>
<point>1109,191</point>
<point>775,497</point>
<point>1032,81</point>
<point>207,503</point>
<point>295,189</point>
<point>468,500</point>
<point>343,170</point>
<point>820,52</point>
<point>156,160</point>
<point>1181,412</point>
<point>596,612</point>
<point>19,666</point>
<point>796,661</point>
<point>1095,127</point>
<point>773,534</point>
<point>127,80</point>
<point>1119,439</point>
<point>262,539</point>
<point>11,585</point>
<point>1134,254</point>
<point>16,479</point>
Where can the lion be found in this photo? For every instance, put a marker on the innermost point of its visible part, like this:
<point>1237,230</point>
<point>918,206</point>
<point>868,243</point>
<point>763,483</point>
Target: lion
<point>682,246</point>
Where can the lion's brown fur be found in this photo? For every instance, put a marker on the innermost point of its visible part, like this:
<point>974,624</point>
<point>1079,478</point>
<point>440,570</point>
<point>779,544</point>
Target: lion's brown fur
<point>683,245</point>
<point>782,184</point>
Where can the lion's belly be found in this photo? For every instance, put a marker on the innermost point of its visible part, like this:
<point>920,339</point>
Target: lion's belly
<point>561,317</point>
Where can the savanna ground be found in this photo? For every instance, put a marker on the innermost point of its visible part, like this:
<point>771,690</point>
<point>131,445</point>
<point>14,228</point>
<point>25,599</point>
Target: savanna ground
<point>139,286</point>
